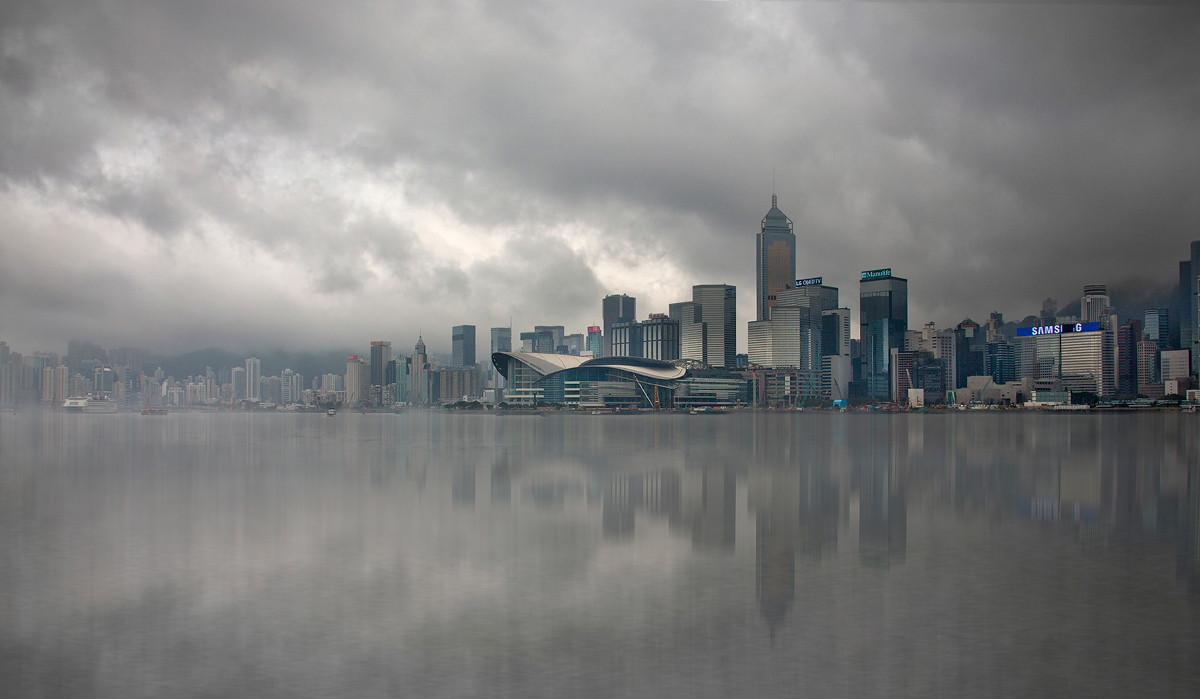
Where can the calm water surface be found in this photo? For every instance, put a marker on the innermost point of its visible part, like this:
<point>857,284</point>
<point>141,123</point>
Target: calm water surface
<point>429,555</point>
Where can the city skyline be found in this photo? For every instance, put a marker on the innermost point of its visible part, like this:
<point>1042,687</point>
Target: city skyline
<point>220,185</point>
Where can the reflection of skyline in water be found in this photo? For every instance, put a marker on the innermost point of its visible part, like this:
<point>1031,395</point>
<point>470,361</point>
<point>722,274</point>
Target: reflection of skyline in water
<point>869,537</point>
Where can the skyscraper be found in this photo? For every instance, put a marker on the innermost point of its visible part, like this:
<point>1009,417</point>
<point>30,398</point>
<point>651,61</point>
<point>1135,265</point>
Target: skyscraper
<point>381,354</point>
<point>356,380</point>
<point>1128,337</point>
<point>776,259</point>
<point>463,341</point>
<point>693,333</point>
<point>1157,326</point>
<point>612,308</point>
<point>501,340</point>
<point>549,338</point>
<point>237,376</point>
<point>285,387</point>
<point>253,374</point>
<point>419,374</point>
<point>1189,316</point>
<point>1095,300</point>
<point>883,318</point>
<point>718,312</point>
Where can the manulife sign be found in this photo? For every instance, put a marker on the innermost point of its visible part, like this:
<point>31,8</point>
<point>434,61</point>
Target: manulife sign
<point>877,273</point>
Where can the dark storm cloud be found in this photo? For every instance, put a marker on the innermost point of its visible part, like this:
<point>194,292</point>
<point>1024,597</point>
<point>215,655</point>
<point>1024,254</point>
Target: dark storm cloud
<point>387,167</point>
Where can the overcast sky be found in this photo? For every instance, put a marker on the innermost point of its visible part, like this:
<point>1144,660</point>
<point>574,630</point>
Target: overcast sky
<point>310,175</point>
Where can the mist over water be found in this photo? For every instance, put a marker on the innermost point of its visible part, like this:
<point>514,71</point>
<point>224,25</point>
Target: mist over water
<point>436,554</point>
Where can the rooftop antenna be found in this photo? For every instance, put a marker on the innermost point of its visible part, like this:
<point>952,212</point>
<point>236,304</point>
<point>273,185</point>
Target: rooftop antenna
<point>774,201</point>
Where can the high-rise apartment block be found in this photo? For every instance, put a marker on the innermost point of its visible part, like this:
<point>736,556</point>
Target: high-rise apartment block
<point>357,380</point>
<point>775,260</point>
<point>1147,369</point>
<point>286,394</point>
<point>253,374</point>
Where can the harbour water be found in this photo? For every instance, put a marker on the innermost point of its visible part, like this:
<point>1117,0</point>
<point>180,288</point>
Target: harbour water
<point>436,554</point>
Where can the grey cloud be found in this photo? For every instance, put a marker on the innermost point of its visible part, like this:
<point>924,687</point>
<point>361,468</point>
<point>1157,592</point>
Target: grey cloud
<point>340,279</point>
<point>154,206</point>
<point>993,154</point>
<point>535,278</point>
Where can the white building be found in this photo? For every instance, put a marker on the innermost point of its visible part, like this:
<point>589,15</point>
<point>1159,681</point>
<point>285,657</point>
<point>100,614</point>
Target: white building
<point>253,374</point>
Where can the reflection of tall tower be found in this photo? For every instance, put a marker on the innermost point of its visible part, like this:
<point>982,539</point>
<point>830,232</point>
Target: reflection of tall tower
<point>708,503</point>
<point>774,568</point>
<point>817,515</point>
<point>501,482</point>
<point>773,494</point>
<point>462,487</point>
<point>882,509</point>
<point>1188,568</point>
<point>622,493</point>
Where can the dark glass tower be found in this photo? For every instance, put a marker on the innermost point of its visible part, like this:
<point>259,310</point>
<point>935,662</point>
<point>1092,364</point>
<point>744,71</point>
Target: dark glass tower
<point>776,261</point>
<point>1189,309</point>
<point>718,312</point>
<point>463,345</point>
<point>883,314</point>
<point>381,354</point>
<point>613,308</point>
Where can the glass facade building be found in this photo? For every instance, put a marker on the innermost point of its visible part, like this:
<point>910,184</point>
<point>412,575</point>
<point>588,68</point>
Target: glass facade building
<point>883,317</point>
<point>463,345</point>
<point>1157,326</point>
<point>613,308</point>
<point>718,312</point>
<point>776,259</point>
<point>1189,309</point>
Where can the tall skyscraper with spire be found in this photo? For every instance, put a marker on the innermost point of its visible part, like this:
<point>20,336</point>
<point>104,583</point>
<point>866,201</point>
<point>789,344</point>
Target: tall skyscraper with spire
<point>776,247</point>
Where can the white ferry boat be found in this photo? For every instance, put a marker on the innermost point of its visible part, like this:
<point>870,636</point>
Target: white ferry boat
<point>100,405</point>
<point>75,405</point>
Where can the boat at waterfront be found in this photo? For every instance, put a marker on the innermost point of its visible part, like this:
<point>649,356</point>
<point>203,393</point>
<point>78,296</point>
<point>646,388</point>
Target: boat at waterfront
<point>75,405</point>
<point>100,405</point>
<point>154,411</point>
<point>331,412</point>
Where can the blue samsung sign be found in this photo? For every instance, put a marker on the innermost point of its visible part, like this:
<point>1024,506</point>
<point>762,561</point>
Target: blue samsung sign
<point>1058,329</point>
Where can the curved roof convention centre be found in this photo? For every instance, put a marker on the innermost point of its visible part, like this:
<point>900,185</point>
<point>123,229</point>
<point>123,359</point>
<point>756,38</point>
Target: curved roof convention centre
<point>547,364</point>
